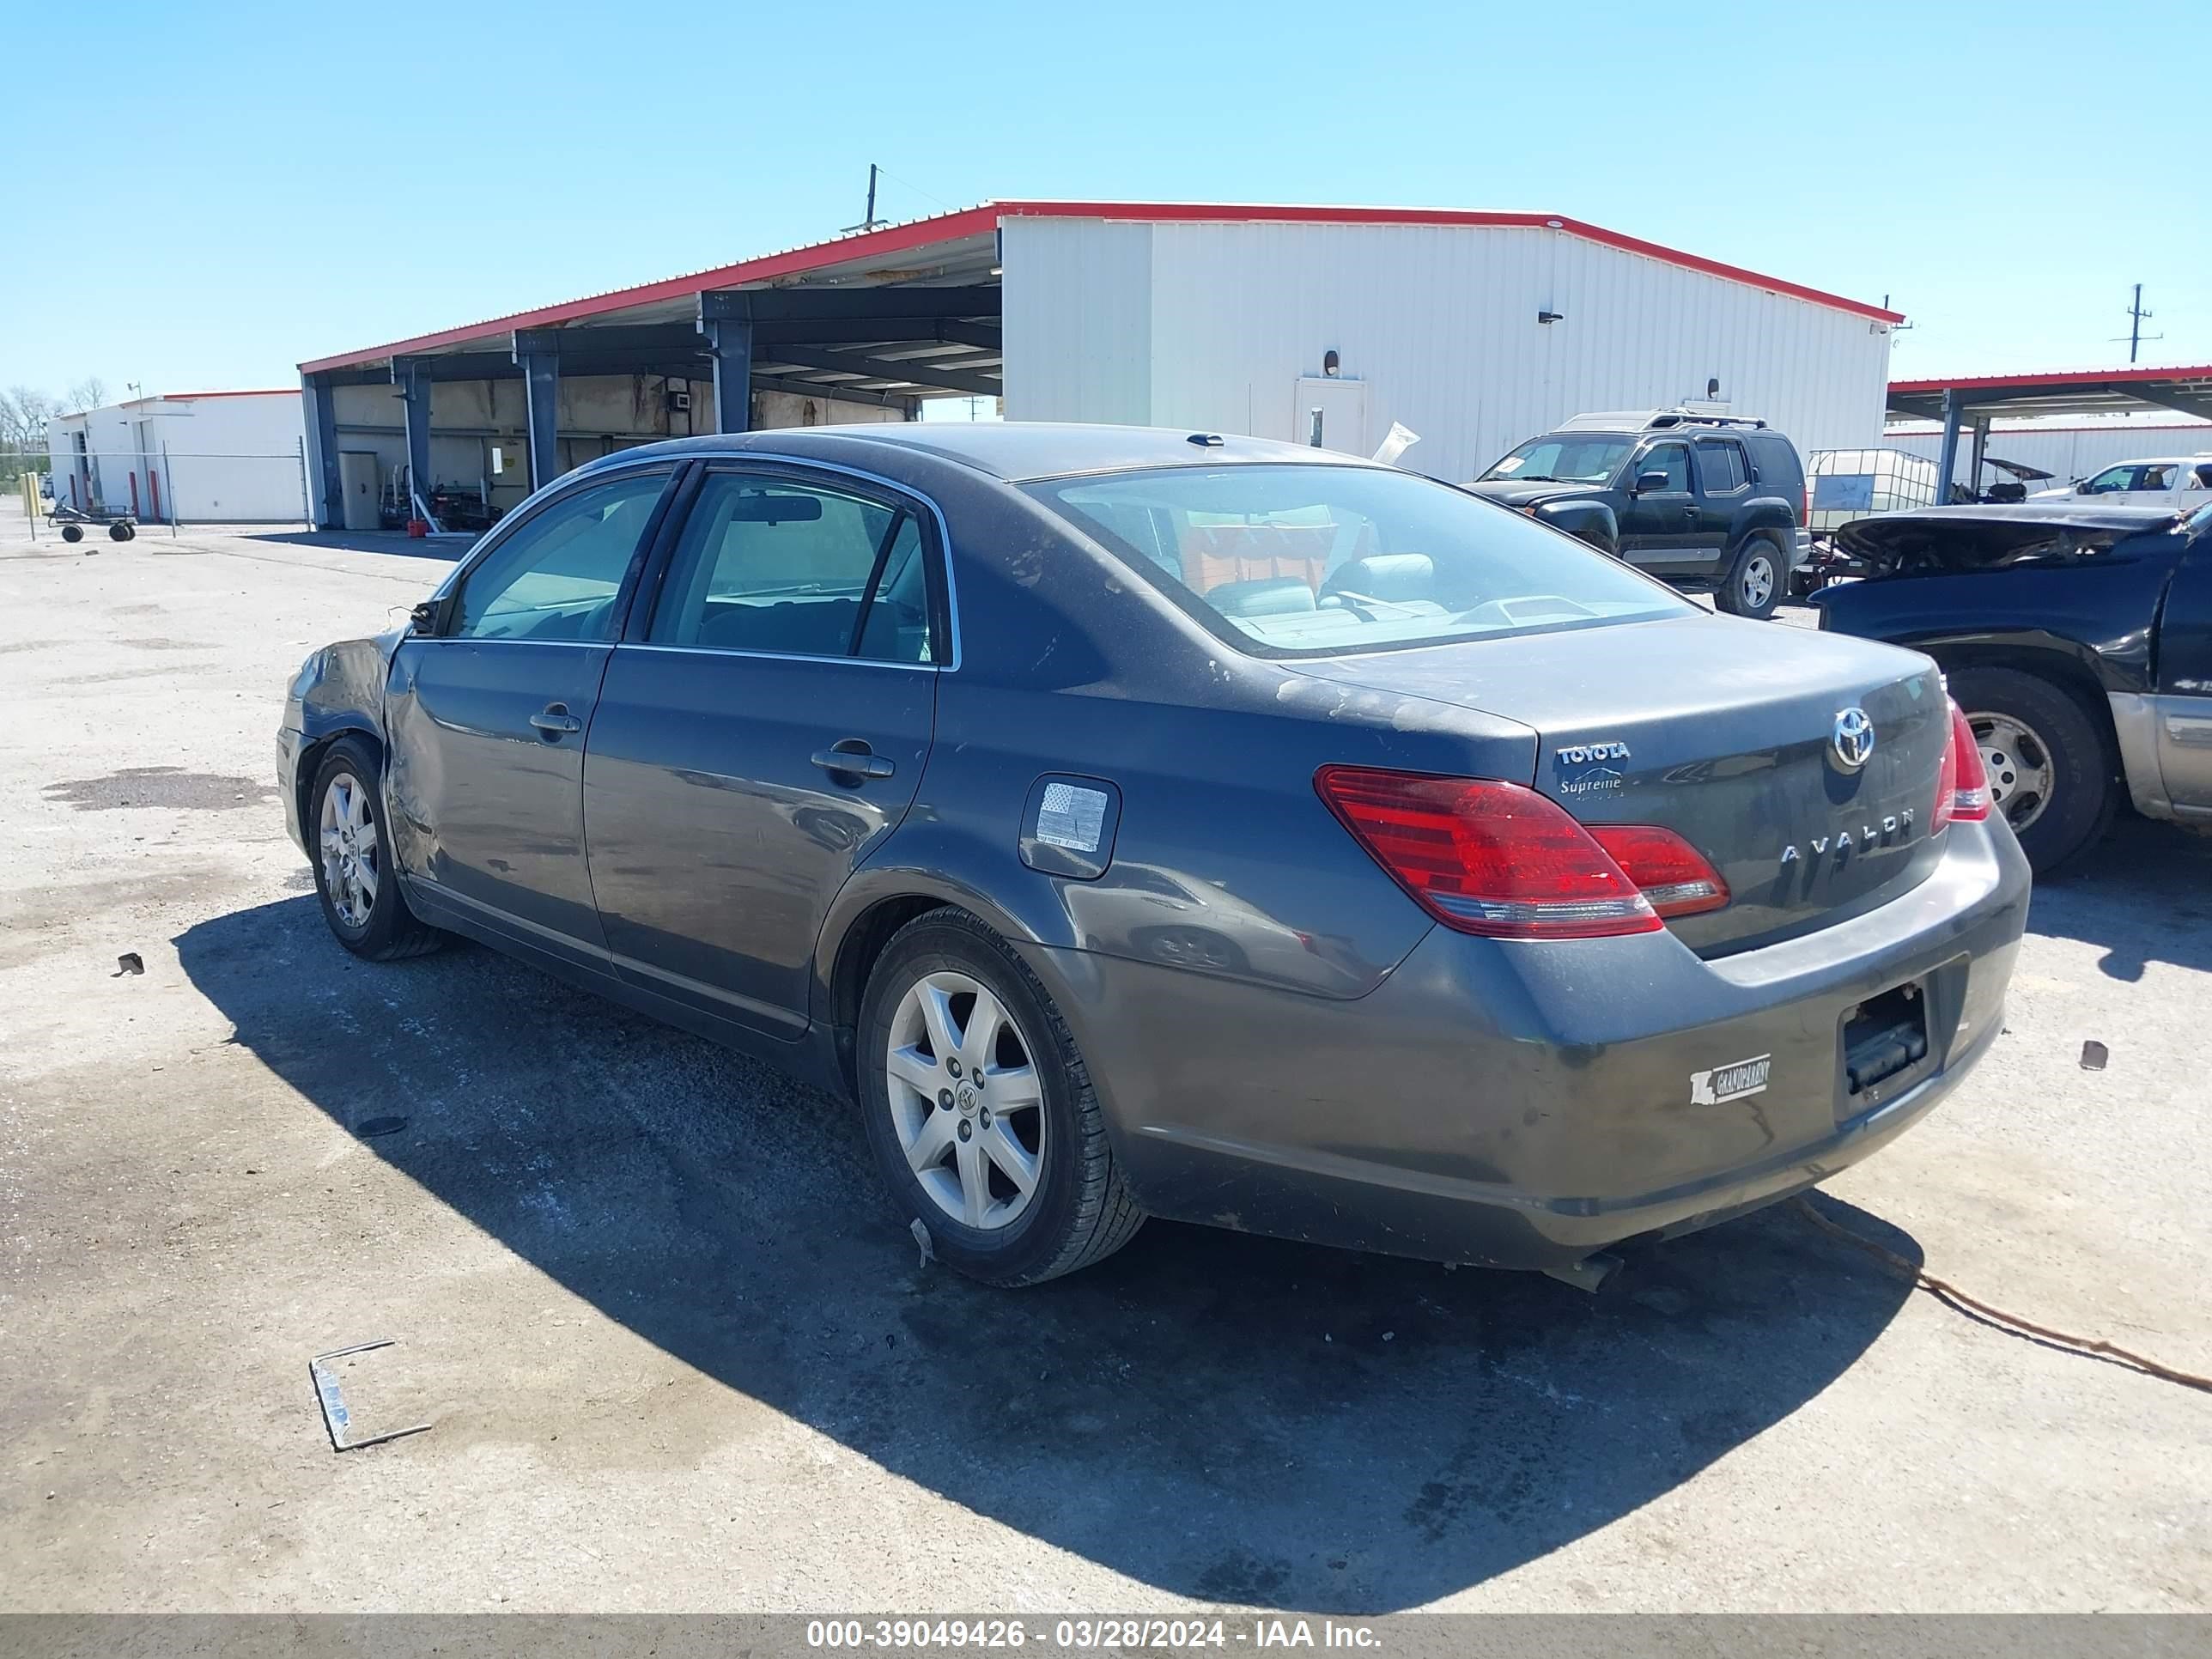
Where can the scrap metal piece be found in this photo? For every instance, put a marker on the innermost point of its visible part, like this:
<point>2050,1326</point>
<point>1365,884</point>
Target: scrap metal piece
<point>335,1418</point>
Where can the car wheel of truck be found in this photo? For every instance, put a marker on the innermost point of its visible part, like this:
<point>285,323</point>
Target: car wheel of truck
<point>2051,770</point>
<point>980,1110</point>
<point>361,900</point>
<point>1754,585</point>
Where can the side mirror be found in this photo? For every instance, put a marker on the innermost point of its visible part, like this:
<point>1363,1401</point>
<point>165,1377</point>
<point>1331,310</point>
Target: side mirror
<point>2081,489</point>
<point>423,618</point>
<point>1647,482</point>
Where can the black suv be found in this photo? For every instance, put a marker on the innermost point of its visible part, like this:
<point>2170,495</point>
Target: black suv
<point>1699,501</point>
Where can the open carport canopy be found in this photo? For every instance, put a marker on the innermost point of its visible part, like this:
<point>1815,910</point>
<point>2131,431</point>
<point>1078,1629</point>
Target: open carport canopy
<point>2186,390</point>
<point>885,316</point>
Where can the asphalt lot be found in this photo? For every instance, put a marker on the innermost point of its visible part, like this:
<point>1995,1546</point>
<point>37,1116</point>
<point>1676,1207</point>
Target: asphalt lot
<point>677,1354</point>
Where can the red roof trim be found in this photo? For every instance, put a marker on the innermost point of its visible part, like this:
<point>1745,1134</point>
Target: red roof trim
<point>2133,376</point>
<point>968,221</point>
<point>190,396</point>
<point>1911,427</point>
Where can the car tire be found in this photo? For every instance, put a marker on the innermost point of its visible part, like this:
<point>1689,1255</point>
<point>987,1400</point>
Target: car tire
<point>1752,586</point>
<point>2050,769</point>
<point>933,1156</point>
<point>354,877</point>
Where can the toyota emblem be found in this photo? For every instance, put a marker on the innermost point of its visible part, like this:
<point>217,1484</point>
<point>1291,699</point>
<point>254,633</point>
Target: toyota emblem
<point>1853,738</point>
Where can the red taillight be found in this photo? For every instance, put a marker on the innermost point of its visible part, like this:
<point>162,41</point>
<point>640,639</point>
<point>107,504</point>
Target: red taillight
<point>1671,874</point>
<point>1492,858</point>
<point>1962,782</point>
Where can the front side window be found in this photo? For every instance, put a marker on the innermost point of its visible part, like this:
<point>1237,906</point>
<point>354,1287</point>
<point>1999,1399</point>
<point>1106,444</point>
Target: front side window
<point>766,564</point>
<point>1309,560</point>
<point>2134,476</point>
<point>1674,460</point>
<point>559,575</point>
<point>1720,464</point>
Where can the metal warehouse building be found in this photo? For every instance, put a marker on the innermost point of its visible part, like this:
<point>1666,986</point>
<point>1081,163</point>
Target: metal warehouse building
<point>184,457</point>
<point>1475,330</point>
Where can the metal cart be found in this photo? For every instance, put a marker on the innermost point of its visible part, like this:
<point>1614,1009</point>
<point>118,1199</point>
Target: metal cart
<point>121,527</point>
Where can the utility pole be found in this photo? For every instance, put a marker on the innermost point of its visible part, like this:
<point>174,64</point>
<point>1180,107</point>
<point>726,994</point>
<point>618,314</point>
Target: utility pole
<point>2136,318</point>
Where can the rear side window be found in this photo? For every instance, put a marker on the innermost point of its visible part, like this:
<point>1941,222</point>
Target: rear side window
<point>1314,560</point>
<point>1721,466</point>
<point>764,564</point>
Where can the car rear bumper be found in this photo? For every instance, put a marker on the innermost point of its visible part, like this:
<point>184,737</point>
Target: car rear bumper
<point>1522,1105</point>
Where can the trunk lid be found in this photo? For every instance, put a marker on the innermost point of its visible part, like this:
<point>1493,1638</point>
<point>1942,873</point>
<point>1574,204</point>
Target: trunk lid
<point>1724,732</point>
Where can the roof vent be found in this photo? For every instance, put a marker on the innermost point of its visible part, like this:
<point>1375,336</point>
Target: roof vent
<point>1205,440</point>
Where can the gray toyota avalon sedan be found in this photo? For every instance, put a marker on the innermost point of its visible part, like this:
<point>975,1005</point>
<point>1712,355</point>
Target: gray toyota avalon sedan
<point>1146,823</point>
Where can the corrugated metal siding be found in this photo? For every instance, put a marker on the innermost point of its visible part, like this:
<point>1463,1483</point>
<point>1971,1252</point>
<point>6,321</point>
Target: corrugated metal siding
<point>2069,452</point>
<point>1078,320</point>
<point>1439,320</point>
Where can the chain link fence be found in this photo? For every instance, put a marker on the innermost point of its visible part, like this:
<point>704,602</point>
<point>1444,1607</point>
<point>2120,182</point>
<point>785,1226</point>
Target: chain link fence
<point>175,487</point>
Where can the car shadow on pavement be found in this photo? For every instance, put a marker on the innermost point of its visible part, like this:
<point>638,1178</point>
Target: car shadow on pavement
<point>1219,1416</point>
<point>450,548</point>
<point>2141,895</point>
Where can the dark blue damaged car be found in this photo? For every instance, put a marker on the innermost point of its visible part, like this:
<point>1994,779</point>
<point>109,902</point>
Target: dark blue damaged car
<point>1139,822</point>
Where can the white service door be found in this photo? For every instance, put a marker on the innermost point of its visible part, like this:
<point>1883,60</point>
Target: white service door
<point>357,482</point>
<point>1343,406</point>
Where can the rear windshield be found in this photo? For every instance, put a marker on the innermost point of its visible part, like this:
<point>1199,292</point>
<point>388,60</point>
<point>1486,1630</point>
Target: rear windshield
<point>1312,561</point>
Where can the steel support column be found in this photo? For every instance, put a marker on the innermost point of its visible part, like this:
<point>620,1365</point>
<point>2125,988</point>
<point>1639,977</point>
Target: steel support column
<point>1947,461</point>
<point>318,408</point>
<point>1981,449</point>
<point>412,376</point>
<point>538,355</point>
<point>726,321</point>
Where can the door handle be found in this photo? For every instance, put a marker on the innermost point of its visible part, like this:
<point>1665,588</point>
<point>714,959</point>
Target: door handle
<point>554,720</point>
<point>851,758</point>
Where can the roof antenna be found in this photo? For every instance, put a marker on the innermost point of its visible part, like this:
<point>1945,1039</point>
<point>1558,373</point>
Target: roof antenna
<point>871,222</point>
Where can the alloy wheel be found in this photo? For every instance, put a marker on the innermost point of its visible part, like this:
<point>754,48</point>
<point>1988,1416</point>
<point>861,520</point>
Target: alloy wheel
<point>2018,761</point>
<point>966,1102</point>
<point>1757,586</point>
<point>352,862</point>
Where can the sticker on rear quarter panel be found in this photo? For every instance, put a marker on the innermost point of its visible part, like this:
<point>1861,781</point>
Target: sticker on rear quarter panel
<point>1731,1082</point>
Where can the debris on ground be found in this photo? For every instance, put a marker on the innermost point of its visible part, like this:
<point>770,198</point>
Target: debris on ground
<point>2093,1055</point>
<point>336,1416</point>
<point>129,962</point>
<point>928,1245</point>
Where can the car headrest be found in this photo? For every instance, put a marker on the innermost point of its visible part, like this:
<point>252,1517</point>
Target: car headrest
<point>1388,576</point>
<point>1270,596</point>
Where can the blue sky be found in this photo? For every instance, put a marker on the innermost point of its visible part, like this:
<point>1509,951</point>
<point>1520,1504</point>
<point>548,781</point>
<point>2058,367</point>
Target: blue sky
<point>225,190</point>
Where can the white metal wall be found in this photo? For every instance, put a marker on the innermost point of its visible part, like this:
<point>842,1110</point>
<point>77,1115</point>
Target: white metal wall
<point>2069,452</point>
<point>1440,321</point>
<point>1077,320</point>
